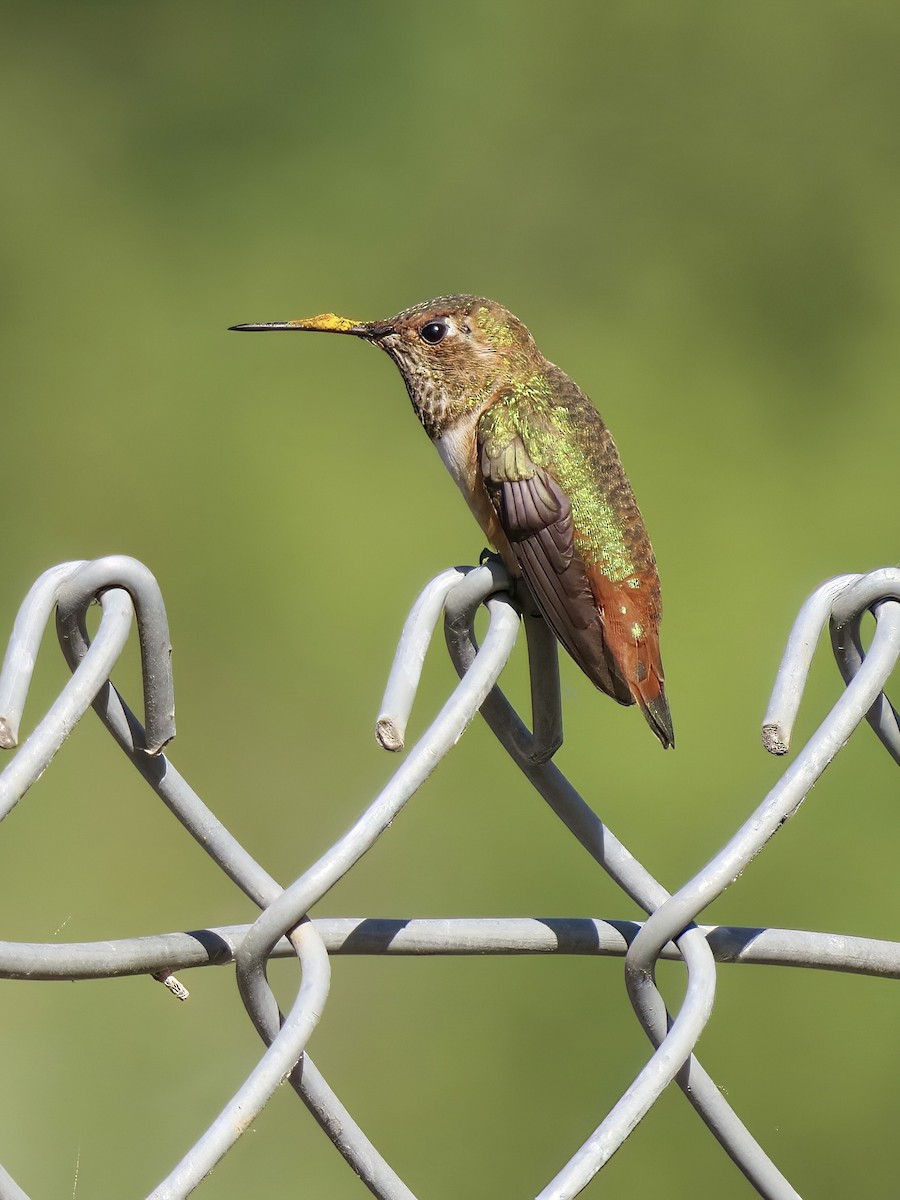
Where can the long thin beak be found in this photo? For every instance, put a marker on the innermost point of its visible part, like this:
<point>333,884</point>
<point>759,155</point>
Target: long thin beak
<point>325,323</point>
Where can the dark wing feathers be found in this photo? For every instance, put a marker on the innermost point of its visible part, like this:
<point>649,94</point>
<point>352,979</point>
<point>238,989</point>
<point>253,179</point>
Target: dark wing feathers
<point>536,517</point>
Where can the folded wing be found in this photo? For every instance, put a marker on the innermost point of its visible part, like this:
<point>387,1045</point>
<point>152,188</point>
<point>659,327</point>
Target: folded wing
<point>536,516</point>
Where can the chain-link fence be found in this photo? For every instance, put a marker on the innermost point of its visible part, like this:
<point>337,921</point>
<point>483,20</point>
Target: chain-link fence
<point>126,589</point>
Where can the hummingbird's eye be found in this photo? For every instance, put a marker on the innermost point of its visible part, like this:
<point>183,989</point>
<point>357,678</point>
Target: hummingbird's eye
<point>434,332</point>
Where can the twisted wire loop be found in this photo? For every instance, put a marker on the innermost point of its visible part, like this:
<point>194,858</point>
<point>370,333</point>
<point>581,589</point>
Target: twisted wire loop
<point>125,590</point>
<point>123,587</point>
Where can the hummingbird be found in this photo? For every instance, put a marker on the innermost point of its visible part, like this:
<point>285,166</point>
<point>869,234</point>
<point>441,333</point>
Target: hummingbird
<point>540,472</point>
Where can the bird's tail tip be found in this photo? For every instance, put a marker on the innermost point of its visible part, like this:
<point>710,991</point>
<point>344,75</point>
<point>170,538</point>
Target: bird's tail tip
<point>659,718</point>
<point>645,682</point>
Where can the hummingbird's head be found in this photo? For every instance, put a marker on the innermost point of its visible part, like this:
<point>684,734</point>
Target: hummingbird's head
<point>453,352</point>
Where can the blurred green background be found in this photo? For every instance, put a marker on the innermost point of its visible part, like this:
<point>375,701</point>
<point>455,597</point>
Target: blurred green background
<point>695,209</point>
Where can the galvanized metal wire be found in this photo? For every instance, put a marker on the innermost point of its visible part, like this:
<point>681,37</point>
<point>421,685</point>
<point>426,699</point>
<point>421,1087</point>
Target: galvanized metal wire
<point>126,591</point>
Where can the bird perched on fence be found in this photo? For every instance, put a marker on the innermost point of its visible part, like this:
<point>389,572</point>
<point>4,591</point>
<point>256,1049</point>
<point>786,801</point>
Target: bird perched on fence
<point>540,471</point>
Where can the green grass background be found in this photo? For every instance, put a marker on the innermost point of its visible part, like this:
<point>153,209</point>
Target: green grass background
<point>695,208</point>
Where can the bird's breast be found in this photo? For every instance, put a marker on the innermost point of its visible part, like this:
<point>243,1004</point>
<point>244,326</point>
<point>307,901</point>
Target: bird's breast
<point>458,448</point>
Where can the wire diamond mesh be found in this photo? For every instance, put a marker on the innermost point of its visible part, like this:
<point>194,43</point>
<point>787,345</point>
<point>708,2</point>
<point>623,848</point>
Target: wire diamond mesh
<point>126,590</point>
